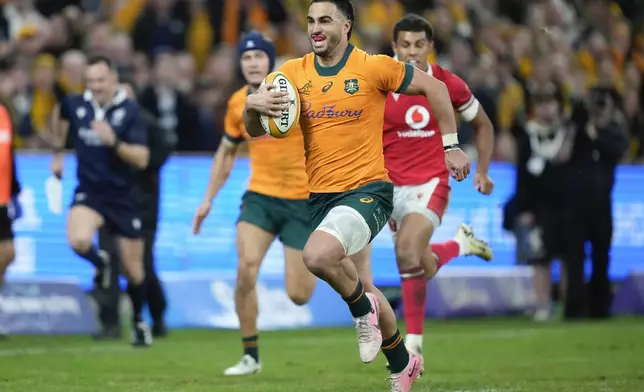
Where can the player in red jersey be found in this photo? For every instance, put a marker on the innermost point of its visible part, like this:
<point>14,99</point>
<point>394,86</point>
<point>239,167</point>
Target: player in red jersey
<point>415,159</point>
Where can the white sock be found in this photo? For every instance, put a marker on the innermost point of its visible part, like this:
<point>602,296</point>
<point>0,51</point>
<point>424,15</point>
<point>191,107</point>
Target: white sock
<point>414,340</point>
<point>463,242</point>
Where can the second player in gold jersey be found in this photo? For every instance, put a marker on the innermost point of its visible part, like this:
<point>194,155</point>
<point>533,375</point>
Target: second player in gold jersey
<point>275,204</point>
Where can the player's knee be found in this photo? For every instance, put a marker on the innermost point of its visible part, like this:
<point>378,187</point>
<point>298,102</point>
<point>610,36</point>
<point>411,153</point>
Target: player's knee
<point>79,242</point>
<point>429,263</point>
<point>321,252</point>
<point>407,257</point>
<point>343,232</point>
<point>299,295</point>
<point>247,271</point>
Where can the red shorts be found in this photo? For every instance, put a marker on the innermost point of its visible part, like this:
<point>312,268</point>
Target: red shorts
<point>429,199</point>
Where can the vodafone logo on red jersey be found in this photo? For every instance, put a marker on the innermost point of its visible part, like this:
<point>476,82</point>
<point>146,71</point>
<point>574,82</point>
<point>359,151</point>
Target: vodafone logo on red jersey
<point>417,117</point>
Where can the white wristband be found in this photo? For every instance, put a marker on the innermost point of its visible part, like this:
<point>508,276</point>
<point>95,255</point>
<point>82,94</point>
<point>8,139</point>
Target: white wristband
<point>450,139</point>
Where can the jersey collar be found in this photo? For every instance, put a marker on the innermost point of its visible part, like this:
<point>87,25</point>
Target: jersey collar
<point>118,99</point>
<point>334,70</point>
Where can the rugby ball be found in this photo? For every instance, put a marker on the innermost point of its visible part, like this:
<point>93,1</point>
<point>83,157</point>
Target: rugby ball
<point>280,127</point>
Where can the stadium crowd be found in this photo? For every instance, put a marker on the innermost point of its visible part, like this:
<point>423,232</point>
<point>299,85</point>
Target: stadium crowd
<point>180,55</point>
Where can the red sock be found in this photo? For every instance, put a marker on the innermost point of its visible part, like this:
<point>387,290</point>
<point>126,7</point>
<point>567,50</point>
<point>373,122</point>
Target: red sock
<point>414,293</point>
<point>445,251</point>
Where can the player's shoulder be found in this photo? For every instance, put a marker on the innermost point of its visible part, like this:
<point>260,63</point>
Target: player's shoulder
<point>445,75</point>
<point>439,72</point>
<point>292,66</point>
<point>362,57</point>
<point>238,97</point>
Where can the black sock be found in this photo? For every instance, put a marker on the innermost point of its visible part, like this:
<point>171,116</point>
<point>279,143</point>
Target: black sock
<point>92,256</point>
<point>137,295</point>
<point>396,353</point>
<point>250,347</point>
<point>359,304</point>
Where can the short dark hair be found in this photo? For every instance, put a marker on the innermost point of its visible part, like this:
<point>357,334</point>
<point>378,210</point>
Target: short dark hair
<point>415,24</point>
<point>345,7</point>
<point>100,59</point>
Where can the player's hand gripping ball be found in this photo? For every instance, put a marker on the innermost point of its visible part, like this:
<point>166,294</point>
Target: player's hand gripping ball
<point>289,117</point>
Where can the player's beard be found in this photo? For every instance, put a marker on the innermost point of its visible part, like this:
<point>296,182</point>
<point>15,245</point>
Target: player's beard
<point>332,43</point>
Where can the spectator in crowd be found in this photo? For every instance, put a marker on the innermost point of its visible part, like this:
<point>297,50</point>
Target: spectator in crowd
<point>544,148</point>
<point>172,108</point>
<point>601,140</point>
<point>44,94</point>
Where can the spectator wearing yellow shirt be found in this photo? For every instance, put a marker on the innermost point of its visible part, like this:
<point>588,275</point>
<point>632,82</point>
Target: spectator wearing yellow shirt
<point>511,108</point>
<point>44,94</point>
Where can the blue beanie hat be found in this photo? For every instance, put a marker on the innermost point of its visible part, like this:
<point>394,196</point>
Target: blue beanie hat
<point>256,41</point>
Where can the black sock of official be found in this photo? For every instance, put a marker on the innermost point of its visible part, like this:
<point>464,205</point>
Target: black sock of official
<point>396,353</point>
<point>250,347</point>
<point>137,296</point>
<point>92,256</point>
<point>359,304</point>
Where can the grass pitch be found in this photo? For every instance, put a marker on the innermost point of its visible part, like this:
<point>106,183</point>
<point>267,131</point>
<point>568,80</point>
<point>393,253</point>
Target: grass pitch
<point>464,356</point>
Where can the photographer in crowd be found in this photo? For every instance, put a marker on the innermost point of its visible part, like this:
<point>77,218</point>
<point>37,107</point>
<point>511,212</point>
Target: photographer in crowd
<point>161,143</point>
<point>601,139</point>
<point>543,150</point>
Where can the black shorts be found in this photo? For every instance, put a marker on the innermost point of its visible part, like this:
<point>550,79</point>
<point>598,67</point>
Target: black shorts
<point>120,215</point>
<point>6,225</point>
<point>546,238</point>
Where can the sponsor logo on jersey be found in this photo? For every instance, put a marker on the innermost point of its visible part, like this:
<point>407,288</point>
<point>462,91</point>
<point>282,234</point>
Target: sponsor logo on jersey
<point>327,87</point>
<point>351,86</point>
<point>415,133</point>
<point>417,118</point>
<point>328,111</point>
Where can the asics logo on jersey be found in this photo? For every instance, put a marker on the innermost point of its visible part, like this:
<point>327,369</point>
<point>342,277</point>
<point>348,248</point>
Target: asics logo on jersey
<point>327,87</point>
<point>328,111</point>
<point>366,200</point>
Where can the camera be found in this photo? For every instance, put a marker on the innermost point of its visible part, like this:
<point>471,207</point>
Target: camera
<point>600,97</point>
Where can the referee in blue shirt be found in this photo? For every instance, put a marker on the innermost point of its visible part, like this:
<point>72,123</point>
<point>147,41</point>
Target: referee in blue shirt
<point>110,141</point>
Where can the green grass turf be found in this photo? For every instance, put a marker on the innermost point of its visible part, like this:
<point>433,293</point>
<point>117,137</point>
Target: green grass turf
<point>466,356</point>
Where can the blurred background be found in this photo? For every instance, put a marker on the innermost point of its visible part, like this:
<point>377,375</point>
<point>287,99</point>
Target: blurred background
<point>504,49</point>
